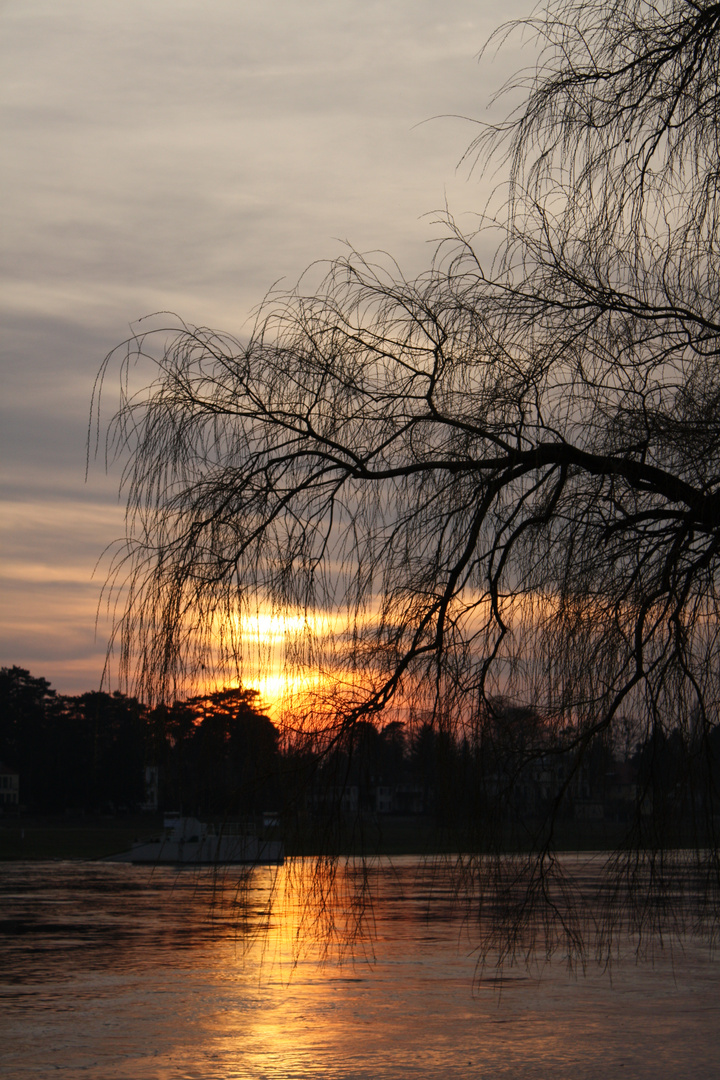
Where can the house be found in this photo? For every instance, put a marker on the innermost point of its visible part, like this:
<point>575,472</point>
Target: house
<point>152,788</point>
<point>9,788</point>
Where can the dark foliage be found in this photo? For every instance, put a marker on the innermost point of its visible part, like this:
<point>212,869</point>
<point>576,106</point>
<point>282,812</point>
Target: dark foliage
<point>217,754</point>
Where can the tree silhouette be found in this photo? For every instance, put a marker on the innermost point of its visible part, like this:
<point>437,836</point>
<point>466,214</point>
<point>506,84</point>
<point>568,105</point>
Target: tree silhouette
<point>500,479</point>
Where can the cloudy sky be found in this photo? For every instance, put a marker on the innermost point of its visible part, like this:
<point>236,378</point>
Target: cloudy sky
<point>184,155</point>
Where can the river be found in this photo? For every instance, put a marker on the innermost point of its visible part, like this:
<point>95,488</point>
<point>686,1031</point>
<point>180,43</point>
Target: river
<point>119,971</point>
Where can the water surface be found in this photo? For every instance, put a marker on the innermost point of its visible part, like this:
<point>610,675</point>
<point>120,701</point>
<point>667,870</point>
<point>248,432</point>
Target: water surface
<point>113,971</point>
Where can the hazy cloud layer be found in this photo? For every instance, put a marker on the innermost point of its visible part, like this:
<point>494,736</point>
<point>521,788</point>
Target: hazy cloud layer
<point>184,156</point>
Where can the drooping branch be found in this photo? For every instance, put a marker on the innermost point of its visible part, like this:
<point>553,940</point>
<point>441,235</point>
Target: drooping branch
<point>369,424</point>
<point>489,497</point>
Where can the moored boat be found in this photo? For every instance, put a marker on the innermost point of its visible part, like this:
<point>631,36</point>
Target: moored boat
<point>188,842</point>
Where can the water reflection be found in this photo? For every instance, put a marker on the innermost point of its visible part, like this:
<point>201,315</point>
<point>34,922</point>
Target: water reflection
<point>116,971</point>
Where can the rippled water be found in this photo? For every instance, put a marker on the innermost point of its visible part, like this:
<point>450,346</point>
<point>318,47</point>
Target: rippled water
<point>113,971</point>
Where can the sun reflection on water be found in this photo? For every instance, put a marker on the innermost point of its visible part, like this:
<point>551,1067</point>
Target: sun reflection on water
<point>149,973</point>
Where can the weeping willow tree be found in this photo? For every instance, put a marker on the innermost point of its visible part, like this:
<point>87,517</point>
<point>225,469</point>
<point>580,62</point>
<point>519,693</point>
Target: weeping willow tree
<point>492,491</point>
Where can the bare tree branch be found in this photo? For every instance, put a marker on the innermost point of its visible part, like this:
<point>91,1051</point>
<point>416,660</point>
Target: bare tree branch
<point>485,486</point>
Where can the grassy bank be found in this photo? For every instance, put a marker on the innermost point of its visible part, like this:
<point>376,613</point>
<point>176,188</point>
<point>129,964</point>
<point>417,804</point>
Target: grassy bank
<point>96,837</point>
<point>72,838</point>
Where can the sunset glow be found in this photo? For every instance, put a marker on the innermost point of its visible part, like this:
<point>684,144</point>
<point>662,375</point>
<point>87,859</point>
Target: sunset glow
<point>271,643</point>
<point>107,223</point>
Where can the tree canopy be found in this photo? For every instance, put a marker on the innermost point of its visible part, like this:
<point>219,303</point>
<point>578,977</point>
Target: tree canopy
<point>501,479</point>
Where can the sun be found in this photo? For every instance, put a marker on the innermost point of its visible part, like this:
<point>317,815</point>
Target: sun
<point>272,647</point>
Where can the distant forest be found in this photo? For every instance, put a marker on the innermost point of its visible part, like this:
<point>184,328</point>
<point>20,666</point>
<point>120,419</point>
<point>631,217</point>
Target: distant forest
<point>90,752</point>
<point>220,754</point>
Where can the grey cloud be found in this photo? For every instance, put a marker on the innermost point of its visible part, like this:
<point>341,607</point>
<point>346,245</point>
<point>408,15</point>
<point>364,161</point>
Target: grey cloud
<point>179,156</point>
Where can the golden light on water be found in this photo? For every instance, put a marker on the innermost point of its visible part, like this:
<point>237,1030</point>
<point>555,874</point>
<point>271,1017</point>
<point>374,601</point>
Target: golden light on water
<point>372,971</point>
<point>325,970</point>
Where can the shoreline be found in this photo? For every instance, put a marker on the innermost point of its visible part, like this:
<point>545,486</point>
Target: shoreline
<point>88,837</point>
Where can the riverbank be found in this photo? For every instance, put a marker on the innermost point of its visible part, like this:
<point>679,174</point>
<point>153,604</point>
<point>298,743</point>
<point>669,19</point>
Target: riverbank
<point>86,837</point>
<point>72,837</point>
<point>95,837</point>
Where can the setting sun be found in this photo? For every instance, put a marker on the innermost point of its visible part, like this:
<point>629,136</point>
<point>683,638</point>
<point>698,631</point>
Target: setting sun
<point>272,661</point>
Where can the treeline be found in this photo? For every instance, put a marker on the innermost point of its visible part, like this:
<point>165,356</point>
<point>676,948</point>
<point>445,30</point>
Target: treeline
<point>220,754</point>
<point>93,751</point>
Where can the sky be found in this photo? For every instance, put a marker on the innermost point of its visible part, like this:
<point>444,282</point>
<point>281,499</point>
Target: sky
<point>183,156</point>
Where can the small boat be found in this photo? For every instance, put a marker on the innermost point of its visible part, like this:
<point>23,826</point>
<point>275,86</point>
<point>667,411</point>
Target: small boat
<point>189,842</point>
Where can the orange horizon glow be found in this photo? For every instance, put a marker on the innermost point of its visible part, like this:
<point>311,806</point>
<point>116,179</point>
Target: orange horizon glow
<point>272,643</point>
